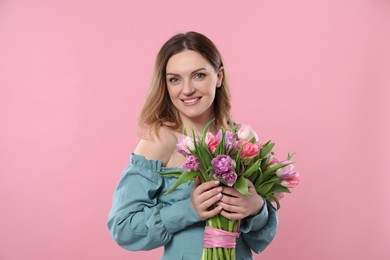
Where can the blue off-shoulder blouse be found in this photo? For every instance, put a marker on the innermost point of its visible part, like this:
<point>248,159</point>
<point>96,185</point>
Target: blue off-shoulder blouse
<point>142,217</point>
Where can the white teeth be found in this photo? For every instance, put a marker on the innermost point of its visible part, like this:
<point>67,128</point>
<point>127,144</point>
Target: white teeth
<point>191,100</point>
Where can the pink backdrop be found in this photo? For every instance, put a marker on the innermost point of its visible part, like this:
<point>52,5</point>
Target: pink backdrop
<point>312,75</point>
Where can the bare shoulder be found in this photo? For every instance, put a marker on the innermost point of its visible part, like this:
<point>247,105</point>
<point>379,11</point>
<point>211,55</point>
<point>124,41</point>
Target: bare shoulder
<point>158,148</point>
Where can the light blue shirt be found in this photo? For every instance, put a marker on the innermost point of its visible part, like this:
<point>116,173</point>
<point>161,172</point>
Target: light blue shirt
<point>142,217</point>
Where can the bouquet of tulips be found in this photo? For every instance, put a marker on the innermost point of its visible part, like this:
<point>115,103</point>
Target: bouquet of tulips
<point>230,157</point>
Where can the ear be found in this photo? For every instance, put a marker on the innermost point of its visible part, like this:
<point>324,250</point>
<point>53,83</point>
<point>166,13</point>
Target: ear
<point>220,77</point>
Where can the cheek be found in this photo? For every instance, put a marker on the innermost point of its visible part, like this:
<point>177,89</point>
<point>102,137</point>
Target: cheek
<point>172,92</point>
<point>208,87</point>
<point>212,91</point>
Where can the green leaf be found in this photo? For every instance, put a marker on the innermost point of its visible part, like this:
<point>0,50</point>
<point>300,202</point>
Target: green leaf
<point>290,155</point>
<point>264,162</point>
<point>279,188</point>
<point>266,180</point>
<point>184,177</point>
<point>210,173</point>
<point>266,149</point>
<point>254,167</point>
<point>205,153</point>
<point>263,178</point>
<point>238,165</point>
<point>276,167</point>
<point>175,174</point>
<point>185,131</point>
<point>205,157</point>
<point>256,178</point>
<point>263,189</point>
<point>241,185</point>
<point>195,143</point>
<point>275,199</point>
<point>206,128</point>
<point>221,145</point>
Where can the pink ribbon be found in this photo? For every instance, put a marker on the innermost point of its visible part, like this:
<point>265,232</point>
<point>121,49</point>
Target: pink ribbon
<point>214,237</point>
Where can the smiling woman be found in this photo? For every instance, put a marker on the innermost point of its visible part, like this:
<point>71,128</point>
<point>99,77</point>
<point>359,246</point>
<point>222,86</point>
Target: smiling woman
<point>192,83</point>
<point>188,89</point>
<point>173,65</point>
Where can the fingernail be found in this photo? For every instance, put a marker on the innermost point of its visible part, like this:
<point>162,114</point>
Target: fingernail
<point>219,189</point>
<point>219,208</point>
<point>216,182</point>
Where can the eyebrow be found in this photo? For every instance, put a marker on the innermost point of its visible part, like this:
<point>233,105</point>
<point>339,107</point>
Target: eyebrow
<point>174,74</point>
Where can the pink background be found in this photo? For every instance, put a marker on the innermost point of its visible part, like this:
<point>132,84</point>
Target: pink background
<point>314,76</point>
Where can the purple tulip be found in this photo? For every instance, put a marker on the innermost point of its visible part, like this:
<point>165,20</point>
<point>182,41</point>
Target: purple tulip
<point>230,140</point>
<point>223,167</point>
<point>192,163</point>
<point>229,177</point>
<point>222,163</point>
<point>287,171</point>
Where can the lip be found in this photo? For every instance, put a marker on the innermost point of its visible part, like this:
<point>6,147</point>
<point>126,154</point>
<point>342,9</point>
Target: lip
<point>196,101</point>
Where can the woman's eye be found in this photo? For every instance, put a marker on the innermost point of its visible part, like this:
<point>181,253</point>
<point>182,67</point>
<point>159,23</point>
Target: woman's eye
<point>173,80</point>
<point>200,75</point>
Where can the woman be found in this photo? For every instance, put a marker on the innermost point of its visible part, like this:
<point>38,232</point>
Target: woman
<point>188,89</point>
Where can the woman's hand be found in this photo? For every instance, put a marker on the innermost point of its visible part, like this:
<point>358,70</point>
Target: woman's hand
<point>237,206</point>
<point>205,195</point>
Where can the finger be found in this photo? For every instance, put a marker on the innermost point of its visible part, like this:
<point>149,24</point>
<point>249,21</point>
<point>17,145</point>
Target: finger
<point>231,216</point>
<point>210,201</point>
<point>230,208</point>
<point>231,192</point>
<point>233,201</point>
<point>211,213</point>
<point>210,194</point>
<point>206,186</point>
<point>196,182</point>
<point>250,184</point>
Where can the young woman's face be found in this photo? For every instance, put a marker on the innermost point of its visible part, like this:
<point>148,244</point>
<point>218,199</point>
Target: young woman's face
<point>192,82</point>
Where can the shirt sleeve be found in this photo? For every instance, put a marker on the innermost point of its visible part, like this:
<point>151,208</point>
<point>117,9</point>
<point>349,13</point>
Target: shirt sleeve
<point>137,220</point>
<point>258,231</point>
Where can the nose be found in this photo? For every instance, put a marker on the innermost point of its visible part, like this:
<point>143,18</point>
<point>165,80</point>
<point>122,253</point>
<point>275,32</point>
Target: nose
<point>188,88</point>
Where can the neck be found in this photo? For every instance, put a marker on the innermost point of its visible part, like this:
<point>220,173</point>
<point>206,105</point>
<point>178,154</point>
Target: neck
<point>196,125</point>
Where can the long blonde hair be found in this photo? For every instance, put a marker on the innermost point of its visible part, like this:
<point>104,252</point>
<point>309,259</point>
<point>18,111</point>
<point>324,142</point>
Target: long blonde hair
<point>158,109</point>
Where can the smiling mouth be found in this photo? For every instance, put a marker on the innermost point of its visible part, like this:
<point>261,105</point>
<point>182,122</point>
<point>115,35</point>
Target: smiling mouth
<point>189,101</point>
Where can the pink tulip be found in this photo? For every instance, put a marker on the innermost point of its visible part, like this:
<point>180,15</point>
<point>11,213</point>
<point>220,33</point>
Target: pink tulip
<point>249,150</point>
<point>212,145</point>
<point>272,160</point>
<point>246,133</point>
<point>185,145</point>
<point>209,137</point>
<point>291,182</point>
<point>287,171</point>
